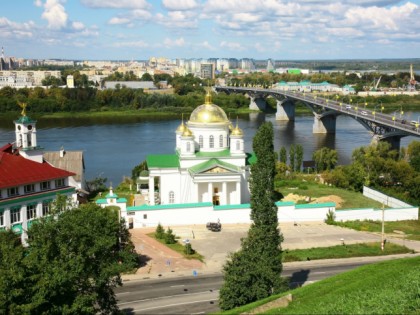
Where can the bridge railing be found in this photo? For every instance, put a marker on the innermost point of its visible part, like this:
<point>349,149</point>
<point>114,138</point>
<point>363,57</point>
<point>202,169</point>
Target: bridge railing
<point>351,109</point>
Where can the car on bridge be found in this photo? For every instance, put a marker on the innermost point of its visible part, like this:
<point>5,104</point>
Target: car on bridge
<point>364,113</point>
<point>348,106</point>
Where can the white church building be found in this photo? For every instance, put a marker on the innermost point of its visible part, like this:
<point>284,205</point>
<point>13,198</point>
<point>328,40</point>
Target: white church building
<point>206,180</point>
<point>209,163</point>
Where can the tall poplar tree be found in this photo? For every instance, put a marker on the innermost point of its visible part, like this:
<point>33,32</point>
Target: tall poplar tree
<point>299,157</point>
<point>292,153</point>
<point>254,272</point>
<point>283,155</point>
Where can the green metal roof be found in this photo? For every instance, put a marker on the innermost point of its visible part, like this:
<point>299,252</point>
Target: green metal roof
<point>169,206</point>
<point>284,203</point>
<point>315,205</point>
<point>25,120</point>
<point>233,207</point>
<point>162,160</point>
<point>202,167</point>
<point>251,158</point>
<point>213,154</point>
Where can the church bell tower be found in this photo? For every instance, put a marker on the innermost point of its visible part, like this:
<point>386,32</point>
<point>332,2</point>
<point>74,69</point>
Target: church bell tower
<point>26,142</point>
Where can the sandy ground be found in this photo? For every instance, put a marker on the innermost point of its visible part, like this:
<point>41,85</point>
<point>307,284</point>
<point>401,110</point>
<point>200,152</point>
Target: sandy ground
<point>331,198</point>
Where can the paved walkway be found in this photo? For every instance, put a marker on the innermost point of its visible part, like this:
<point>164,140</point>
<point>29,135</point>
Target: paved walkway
<point>160,261</point>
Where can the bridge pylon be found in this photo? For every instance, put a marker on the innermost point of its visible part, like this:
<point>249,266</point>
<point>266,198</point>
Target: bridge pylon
<point>324,123</point>
<point>257,102</point>
<point>285,110</point>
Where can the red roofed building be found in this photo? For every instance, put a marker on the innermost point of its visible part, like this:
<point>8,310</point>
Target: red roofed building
<point>28,184</point>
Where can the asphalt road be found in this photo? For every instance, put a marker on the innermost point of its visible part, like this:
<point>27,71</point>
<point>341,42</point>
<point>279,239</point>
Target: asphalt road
<point>199,295</point>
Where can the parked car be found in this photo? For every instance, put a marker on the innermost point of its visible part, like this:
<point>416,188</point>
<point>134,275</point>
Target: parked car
<point>214,226</point>
<point>364,113</point>
<point>348,106</point>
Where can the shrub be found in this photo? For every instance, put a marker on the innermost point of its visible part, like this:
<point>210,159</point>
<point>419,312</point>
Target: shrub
<point>160,232</point>
<point>330,217</point>
<point>169,236</point>
<point>188,250</point>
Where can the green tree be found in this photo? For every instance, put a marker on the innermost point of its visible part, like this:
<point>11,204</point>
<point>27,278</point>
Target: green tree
<point>14,277</point>
<point>283,155</point>
<point>76,261</point>
<point>160,231</point>
<point>299,157</point>
<point>254,271</point>
<point>169,236</point>
<point>292,156</point>
<point>325,159</point>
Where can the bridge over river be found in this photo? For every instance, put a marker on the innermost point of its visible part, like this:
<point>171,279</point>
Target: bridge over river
<point>381,126</point>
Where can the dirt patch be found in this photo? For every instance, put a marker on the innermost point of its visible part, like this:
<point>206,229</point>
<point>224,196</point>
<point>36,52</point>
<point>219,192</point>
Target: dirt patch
<point>331,198</point>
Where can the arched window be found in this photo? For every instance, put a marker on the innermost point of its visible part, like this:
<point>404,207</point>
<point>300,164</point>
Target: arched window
<point>238,145</point>
<point>211,144</point>
<point>200,141</point>
<point>188,146</point>
<point>171,197</point>
<point>221,141</point>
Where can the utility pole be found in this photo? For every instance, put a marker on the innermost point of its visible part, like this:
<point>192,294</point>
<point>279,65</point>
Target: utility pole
<point>383,227</point>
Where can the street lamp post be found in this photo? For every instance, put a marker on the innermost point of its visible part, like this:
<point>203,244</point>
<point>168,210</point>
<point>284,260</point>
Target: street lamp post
<point>382,108</point>
<point>401,112</point>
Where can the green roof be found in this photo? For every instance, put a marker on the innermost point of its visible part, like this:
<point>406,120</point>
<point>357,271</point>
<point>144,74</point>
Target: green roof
<point>202,167</point>
<point>105,201</point>
<point>251,158</point>
<point>163,160</point>
<point>169,206</point>
<point>232,207</point>
<point>315,205</point>
<point>213,154</point>
<point>284,203</point>
<point>25,120</point>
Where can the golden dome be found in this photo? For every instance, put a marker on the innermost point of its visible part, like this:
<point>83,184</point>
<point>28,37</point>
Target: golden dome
<point>237,132</point>
<point>208,113</point>
<point>181,128</point>
<point>187,132</point>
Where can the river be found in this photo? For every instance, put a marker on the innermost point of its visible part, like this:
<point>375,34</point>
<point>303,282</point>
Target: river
<point>112,147</point>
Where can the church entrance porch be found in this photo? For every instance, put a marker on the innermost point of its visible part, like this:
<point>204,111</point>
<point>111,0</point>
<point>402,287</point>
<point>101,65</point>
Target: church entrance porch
<point>219,193</point>
<point>216,200</point>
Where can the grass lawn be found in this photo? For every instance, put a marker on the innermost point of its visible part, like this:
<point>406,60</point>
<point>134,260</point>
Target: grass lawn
<point>389,287</point>
<point>351,199</point>
<point>411,228</point>
<point>179,248</point>
<point>344,251</point>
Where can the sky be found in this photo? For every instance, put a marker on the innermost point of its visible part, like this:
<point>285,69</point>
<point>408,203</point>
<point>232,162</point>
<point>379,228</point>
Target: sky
<point>259,29</point>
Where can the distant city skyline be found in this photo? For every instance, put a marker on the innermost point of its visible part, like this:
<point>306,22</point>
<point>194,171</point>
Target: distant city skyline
<point>258,29</point>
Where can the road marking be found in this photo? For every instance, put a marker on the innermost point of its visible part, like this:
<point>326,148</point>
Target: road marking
<point>177,286</point>
<point>170,305</point>
<point>122,293</point>
<point>317,272</point>
<point>165,297</point>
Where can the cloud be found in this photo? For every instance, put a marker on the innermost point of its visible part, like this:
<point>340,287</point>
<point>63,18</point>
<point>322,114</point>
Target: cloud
<point>133,44</point>
<point>119,20</point>
<point>179,5</point>
<point>55,14</point>
<point>231,46</point>
<point>180,42</point>
<point>78,26</point>
<point>117,4</point>
<point>177,19</point>
<point>9,29</point>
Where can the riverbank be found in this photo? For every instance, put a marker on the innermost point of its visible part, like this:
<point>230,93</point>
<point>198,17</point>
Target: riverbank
<point>170,112</point>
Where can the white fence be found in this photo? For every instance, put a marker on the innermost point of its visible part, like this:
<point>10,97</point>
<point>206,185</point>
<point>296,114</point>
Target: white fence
<point>382,198</point>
